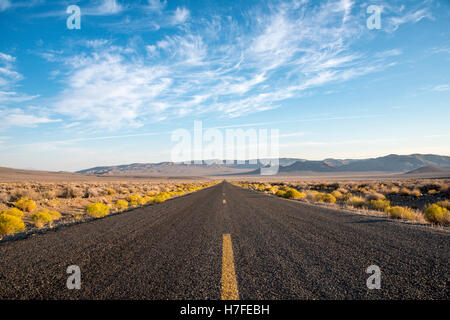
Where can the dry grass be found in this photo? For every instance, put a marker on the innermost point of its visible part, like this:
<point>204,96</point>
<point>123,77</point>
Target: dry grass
<point>379,205</point>
<point>41,218</point>
<point>437,214</point>
<point>97,210</point>
<point>25,205</point>
<point>121,205</point>
<point>10,224</point>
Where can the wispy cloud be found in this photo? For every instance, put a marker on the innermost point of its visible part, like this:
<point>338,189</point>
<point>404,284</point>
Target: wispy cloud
<point>4,4</point>
<point>441,87</point>
<point>9,78</point>
<point>107,7</point>
<point>180,16</point>
<point>8,4</point>
<point>156,5</point>
<point>396,15</point>
<point>217,64</point>
<point>110,91</point>
<point>6,57</point>
<point>18,117</point>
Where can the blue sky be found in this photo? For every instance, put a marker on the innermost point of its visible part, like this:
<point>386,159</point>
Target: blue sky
<point>113,91</point>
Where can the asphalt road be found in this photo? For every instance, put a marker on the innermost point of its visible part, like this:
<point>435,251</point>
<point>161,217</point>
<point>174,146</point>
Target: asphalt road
<point>282,250</point>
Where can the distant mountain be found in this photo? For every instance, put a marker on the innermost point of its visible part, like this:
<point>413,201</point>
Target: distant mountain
<point>398,163</point>
<point>288,166</point>
<point>316,166</point>
<point>338,162</point>
<point>11,174</point>
<point>390,163</point>
<point>202,168</point>
<point>428,169</point>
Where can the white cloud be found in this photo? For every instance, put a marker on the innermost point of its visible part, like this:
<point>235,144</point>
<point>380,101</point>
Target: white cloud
<point>389,53</point>
<point>6,57</point>
<point>104,8</point>
<point>156,5</point>
<point>96,43</point>
<point>151,50</point>
<point>9,78</point>
<point>347,7</point>
<point>438,50</point>
<point>5,72</point>
<point>109,91</point>
<point>219,65</point>
<point>18,117</point>
<point>180,16</point>
<point>399,16</point>
<point>293,134</point>
<point>189,49</point>
<point>109,7</point>
<point>12,96</point>
<point>4,4</point>
<point>441,87</point>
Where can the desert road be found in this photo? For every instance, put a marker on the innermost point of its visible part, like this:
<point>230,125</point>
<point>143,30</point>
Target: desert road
<point>262,246</point>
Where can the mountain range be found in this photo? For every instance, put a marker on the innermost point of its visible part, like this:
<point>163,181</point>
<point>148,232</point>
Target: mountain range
<point>288,166</point>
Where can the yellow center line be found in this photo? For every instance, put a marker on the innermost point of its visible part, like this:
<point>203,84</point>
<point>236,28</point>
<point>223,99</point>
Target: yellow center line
<point>229,281</point>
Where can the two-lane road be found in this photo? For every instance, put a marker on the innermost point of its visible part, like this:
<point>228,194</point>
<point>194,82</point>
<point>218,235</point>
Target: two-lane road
<point>278,249</point>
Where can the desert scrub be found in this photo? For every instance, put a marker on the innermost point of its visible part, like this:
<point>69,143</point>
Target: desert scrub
<point>91,193</point>
<point>110,191</point>
<point>134,199</point>
<point>437,214</point>
<point>272,190</point>
<point>143,200</point>
<point>394,190</point>
<point>325,197</point>
<point>163,196</point>
<point>41,218</point>
<point>53,203</point>
<point>25,205</point>
<point>294,194</point>
<point>337,194</point>
<point>380,205</point>
<point>405,192</point>
<point>121,205</point>
<point>375,196</point>
<point>97,210</point>
<point>10,224</point>
<point>24,193</point>
<point>356,202</point>
<point>4,197</point>
<point>342,190</point>
<point>70,192</point>
<point>49,194</point>
<point>13,212</point>
<point>56,215</point>
<point>310,195</point>
<point>444,204</point>
<point>401,213</point>
<point>280,193</point>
